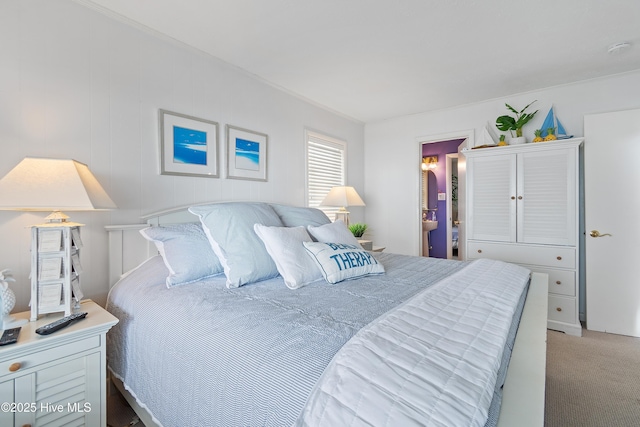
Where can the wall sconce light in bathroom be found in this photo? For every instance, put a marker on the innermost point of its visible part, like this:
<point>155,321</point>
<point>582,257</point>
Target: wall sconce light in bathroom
<point>429,162</point>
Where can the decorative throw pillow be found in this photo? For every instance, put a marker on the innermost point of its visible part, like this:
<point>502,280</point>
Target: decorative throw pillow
<point>339,261</point>
<point>229,227</point>
<point>334,232</point>
<point>284,244</point>
<point>294,216</point>
<point>186,252</point>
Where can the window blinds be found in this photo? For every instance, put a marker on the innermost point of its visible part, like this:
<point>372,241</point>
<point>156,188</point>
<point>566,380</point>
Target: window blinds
<point>325,169</point>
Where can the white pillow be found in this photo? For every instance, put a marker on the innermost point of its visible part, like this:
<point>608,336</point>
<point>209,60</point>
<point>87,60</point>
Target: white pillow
<point>338,261</point>
<point>185,251</point>
<point>229,227</point>
<point>335,232</point>
<point>284,244</point>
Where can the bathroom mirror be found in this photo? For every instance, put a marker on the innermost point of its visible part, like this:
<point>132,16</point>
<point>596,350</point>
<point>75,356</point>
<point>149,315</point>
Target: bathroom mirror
<point>430,190</point>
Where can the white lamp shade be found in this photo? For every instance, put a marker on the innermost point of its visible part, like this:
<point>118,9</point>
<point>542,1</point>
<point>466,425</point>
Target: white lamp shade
<point>342,197</point>
<point>39,184</point>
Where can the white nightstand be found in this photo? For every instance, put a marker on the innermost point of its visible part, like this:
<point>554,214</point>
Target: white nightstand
<point>58,378</point>
<point>368,245</point>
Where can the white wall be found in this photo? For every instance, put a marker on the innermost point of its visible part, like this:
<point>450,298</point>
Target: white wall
<point>78,84</point>
<point>392,153</point>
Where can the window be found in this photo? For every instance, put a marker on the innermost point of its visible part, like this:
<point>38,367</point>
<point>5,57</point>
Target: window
<point>326,160</point>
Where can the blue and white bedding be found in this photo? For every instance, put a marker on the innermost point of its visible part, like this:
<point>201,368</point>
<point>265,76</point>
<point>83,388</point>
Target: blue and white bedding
<point>434,360</point>
<point>206,354</point>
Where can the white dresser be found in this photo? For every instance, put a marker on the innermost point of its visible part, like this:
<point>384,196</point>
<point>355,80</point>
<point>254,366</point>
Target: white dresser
<point>57,379</point>
<point>523,207</point>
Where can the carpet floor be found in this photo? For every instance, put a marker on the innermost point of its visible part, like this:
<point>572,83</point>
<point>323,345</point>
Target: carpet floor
<point>593,380</point>
<point>119,413</point>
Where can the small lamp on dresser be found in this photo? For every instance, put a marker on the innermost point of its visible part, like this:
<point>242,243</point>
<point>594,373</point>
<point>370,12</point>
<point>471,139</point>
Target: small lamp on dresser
<point>42,184</point>
<point>342,197</point>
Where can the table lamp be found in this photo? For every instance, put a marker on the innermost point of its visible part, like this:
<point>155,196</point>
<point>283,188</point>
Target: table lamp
<point>342,197</point>
<point>42,184</point>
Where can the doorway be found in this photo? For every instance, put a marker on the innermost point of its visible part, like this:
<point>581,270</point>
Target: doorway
<point>440,237</point>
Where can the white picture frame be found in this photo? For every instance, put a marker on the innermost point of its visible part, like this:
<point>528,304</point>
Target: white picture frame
<point>188,145</point>
<point>246,154</point>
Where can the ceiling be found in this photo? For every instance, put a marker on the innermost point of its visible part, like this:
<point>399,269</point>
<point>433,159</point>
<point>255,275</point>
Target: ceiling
<point>372,60</point>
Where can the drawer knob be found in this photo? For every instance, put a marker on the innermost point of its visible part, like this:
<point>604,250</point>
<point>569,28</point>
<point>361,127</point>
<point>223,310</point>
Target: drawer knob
<point>519,197</point>
<point>513,197</point>
<point>558,309</point>
<point>559,258</point>
<point>558,282</point>
<point>15,366</point>
<point>479,251</point>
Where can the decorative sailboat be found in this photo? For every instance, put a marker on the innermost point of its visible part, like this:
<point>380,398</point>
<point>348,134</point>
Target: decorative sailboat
<point>551,121</point>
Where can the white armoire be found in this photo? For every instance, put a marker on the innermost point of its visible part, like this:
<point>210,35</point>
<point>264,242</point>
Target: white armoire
<point>523,207</point>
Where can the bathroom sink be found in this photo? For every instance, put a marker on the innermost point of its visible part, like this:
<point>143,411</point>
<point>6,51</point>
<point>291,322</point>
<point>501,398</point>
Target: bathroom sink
<point>429,225</point>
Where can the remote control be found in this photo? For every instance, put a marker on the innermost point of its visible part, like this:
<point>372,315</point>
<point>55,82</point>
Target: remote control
<point>59,324</point>
<point>10,336</point>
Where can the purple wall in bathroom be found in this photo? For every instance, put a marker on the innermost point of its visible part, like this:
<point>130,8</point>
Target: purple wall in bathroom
<point>439,235</point>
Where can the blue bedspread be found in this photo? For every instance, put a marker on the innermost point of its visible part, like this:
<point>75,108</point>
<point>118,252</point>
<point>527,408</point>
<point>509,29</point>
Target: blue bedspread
<point>203,354</point>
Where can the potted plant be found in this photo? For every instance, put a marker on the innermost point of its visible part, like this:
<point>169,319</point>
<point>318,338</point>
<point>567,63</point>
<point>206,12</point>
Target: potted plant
<point>358,229</point>
<point>511,124</point>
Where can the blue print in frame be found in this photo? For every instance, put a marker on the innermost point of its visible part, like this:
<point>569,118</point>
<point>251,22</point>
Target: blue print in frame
<point>246,154</point>
<point>188,145</point>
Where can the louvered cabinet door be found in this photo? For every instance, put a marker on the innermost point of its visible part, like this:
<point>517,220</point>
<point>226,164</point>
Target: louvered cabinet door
<point>492,198</point>
<point>73,385</point>
<point>63,392</point>
<point>7,396</point>
<point>547,197</point>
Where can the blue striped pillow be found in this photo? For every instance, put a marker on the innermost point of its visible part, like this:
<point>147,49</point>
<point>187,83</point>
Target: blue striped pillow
<point>229,227</point>
<point>186,252</point>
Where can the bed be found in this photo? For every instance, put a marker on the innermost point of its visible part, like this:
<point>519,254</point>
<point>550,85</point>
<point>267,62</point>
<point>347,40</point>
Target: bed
<point>403,341</point>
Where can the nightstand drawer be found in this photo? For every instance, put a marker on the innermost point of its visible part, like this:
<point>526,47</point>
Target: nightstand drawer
<point>19,364</point>
<point>562,309</point>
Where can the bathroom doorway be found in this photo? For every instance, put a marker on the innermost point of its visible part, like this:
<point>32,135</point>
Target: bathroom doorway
<point>440,212</point>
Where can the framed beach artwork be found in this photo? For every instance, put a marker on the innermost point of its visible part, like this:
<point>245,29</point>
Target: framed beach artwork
<point>188,145</point>
<point>246,154</point>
